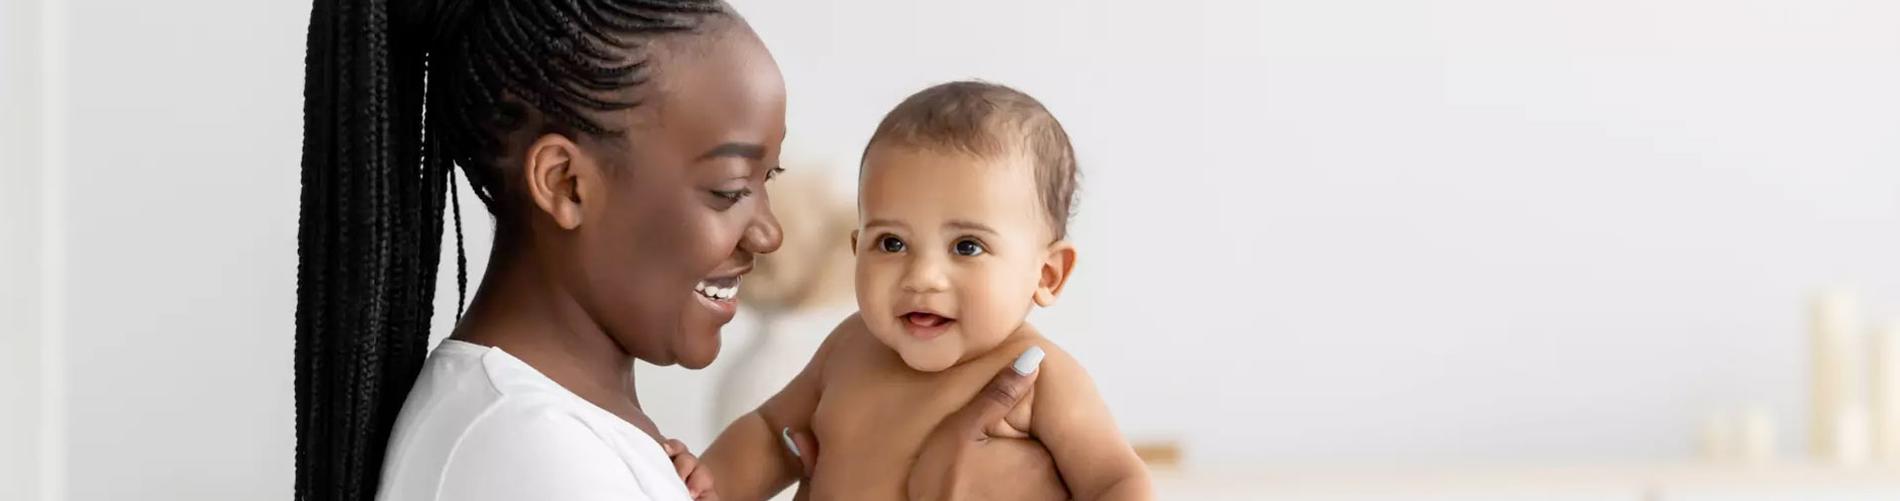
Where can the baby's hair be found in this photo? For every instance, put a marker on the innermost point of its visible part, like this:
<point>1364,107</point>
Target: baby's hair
<point>989,121</point>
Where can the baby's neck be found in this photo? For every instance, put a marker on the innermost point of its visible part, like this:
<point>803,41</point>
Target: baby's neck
<point>1021,331</point>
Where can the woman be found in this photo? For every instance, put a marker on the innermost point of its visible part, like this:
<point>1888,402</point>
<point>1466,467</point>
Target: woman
<point>623,148</point>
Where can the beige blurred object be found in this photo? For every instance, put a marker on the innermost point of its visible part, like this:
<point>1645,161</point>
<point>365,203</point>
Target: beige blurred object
<point>1853,436</point>
<point>1163,454</point>
<point>813,265</point>
<point>811,269</point>
<point>1756,441</point>
<point>1886,390</point>
<point>1837,377</point>
<point>1719,442</point>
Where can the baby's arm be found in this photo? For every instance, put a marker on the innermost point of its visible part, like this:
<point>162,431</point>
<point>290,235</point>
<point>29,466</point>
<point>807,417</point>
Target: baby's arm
<point>749,460</point>
<point>1073,422</point>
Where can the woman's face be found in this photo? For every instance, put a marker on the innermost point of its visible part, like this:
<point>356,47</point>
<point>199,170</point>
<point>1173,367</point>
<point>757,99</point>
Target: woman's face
<point>685,207</point>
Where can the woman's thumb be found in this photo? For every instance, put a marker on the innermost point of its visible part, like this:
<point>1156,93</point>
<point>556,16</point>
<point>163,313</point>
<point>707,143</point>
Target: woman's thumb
<point>803,446</point>
<point>997,398</point>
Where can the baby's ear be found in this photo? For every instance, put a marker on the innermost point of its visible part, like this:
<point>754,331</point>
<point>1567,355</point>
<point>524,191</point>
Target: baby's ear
<point>1056,266</point>
<point>854,242</point>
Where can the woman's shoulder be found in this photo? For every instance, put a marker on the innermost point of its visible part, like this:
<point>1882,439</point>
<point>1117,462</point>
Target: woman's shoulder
<point>531,446</point>
<point>478,428</point>
<point>524,448</point>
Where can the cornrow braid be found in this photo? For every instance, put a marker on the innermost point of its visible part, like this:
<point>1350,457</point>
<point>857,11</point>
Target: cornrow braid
<point>395,98</point>
<point>564,59</point>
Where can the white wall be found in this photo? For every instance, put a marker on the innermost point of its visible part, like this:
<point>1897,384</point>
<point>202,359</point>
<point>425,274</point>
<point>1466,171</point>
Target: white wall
<point>20,332</point>
<point>1350,231</point>
<point>181,207</point>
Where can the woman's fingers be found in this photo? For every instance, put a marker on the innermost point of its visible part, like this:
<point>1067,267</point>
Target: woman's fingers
<point>802,445</point>
<point>955,464</point>
<point>997,398</point>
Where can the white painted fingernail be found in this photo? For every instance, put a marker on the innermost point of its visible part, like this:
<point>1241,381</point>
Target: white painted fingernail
<point>786,435</point>
<point>1027,362</point>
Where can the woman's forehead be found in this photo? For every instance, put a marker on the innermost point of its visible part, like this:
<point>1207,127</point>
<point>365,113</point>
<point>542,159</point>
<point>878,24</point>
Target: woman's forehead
<point>727,91</point>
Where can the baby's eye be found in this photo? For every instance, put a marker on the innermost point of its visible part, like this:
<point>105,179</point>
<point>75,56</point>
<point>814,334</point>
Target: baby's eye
<point>969,248</point>
<point>890,244</point>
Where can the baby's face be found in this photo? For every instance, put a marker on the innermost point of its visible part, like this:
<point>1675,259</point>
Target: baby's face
<point>949,251</point>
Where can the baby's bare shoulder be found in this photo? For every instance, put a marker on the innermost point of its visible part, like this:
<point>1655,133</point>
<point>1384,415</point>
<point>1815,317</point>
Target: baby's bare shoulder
<point>1026,336</point>
<point>1059,373</point>
<point>851,342</point>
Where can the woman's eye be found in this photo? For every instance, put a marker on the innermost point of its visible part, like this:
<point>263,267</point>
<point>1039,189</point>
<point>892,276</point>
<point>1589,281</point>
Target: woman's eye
<point>732,195</point>
<point>969,248</point>
<point>774,173</point>
<point>891,244</point>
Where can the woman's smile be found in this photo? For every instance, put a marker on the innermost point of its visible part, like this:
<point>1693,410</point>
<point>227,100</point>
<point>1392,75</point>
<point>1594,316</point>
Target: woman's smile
<point>720,294</point>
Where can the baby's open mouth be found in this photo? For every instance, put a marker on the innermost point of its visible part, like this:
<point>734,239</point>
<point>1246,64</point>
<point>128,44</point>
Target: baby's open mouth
<point>718,289</point>
<point>921,319</point>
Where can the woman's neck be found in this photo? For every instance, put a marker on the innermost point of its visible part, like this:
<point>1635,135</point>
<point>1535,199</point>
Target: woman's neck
<point>523,310</point>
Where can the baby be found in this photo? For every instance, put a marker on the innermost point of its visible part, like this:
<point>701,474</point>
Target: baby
<point>963,202</point>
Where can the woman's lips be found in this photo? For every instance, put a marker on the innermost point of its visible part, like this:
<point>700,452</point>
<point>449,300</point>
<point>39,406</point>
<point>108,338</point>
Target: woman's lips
<point>721,295</point>
<point>718,289</point>
<point>925,326</point>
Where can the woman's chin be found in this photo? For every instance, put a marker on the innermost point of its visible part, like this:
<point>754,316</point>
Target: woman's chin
<point>699,350</point>
<point>697,343</point>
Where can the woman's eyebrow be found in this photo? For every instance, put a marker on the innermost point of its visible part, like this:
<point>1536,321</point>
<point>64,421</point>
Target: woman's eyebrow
<point>751,151</point>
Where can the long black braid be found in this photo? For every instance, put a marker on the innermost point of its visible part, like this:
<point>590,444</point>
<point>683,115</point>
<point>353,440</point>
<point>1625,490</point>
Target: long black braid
<point>395,97</point>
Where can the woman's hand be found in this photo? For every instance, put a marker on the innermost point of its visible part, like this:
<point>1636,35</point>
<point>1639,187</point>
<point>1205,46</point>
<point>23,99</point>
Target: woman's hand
<point>698,478</point>
<point>959,461</point>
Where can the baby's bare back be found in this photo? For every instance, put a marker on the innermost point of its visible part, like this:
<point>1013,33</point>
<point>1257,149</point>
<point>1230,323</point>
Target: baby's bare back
<point>874,412</point>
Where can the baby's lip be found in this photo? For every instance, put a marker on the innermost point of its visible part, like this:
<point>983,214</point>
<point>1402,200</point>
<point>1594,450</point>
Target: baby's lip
<point>926,311</point>
<point>925,325</point>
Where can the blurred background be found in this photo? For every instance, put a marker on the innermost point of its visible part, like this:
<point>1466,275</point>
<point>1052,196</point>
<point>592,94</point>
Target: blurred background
<point>1352,249</point>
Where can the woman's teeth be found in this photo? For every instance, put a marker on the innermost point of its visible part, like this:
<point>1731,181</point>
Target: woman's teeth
<point>718,292</point>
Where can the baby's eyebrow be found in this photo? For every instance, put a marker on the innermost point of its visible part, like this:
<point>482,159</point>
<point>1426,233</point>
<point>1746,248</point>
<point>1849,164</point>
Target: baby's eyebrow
<point>960,224</point>
<point>885,222</point>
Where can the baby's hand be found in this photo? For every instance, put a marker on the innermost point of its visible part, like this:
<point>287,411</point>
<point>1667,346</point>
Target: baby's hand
<point>698,478</point>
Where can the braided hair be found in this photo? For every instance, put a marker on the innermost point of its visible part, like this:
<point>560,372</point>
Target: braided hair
<point>396,95</point>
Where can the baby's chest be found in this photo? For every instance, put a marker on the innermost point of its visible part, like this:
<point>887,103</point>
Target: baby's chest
<point>878,416</point>
<point>879,411</point>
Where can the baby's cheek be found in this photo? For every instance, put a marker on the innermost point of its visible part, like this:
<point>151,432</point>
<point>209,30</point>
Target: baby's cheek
<point>875,283</point>
<point>1000,306</point>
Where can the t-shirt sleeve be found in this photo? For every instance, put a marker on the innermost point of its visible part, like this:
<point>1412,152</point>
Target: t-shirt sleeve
<point>536,455</point>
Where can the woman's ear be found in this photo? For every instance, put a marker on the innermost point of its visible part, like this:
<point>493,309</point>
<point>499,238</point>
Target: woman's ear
<point>557,175</point>
<point>1056,266</point>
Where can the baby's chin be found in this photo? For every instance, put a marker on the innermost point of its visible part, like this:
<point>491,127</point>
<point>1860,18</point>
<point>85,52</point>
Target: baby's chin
<point>928,360</point>
<point>932,355</point>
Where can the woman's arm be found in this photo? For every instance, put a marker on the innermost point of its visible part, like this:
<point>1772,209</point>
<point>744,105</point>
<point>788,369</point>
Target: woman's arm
<point>749,460</point>
<point>1070,418</point>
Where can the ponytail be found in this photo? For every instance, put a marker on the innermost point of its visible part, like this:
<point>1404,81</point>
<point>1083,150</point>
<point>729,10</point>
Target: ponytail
<point>368,239</point>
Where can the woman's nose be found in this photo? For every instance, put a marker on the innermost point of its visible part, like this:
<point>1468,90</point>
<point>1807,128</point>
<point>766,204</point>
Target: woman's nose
<point>763,235</point>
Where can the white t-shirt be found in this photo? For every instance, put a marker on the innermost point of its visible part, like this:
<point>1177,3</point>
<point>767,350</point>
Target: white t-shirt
<point>481,425</point>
